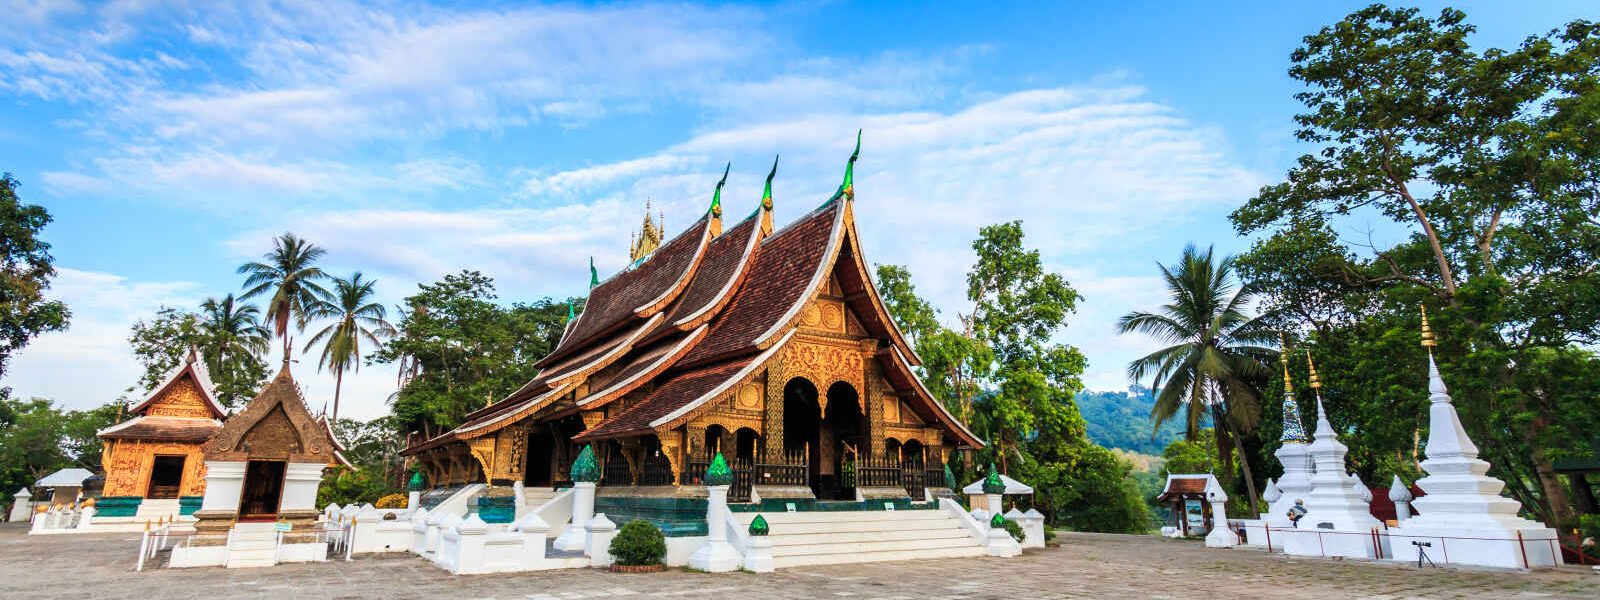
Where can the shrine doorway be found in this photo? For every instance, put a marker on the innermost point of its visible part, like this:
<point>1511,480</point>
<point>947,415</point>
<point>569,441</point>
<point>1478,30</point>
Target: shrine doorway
<point>263,488</point>
<point>842,439</point>
<point>540,458</point>
<point>166,474</point>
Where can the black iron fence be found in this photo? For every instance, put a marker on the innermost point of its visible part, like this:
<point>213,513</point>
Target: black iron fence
<point>656,470</point>
<point>616,472</point>
<point>790,467</point>
<point>877,471</point>
<point>914,479</point>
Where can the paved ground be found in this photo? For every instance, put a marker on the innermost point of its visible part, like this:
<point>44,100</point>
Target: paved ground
<point>96,567</point>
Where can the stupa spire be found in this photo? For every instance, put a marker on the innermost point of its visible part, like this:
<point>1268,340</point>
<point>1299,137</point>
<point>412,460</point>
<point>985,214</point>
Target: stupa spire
<point>1294,432</point>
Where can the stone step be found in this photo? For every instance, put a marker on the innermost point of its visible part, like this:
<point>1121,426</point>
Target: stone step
<point>238,545</point>
<point>846,548</point>
<point>856,537</point>
<point>783,562</point>
<point>252,563</point>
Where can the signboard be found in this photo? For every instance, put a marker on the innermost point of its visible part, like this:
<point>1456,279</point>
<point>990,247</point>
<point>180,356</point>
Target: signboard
<point>1194,516</point>
<point>790,506</point>
<point>889,506</point>
<point>281,526</point>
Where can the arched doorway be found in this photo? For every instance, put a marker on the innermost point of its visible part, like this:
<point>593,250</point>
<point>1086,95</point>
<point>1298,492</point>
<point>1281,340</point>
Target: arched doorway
<point>842,439</point>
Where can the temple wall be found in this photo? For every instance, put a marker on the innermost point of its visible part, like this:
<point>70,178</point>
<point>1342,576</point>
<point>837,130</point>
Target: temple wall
<point>128,464</point>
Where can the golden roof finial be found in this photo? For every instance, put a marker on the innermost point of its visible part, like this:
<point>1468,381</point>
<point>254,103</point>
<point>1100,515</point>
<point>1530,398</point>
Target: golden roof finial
<point>1427,331</point>
<point>1316,382</point>
<point>1283,357</point>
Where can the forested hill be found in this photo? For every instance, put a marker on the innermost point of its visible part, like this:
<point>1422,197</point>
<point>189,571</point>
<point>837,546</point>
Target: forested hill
<point>1122,420</point>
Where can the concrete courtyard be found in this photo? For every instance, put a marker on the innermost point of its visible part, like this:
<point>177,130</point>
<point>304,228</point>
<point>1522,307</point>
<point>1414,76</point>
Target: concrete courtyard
<point>96,567</point>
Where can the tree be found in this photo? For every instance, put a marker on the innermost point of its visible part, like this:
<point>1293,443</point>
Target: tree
<point>232,341</point>
<point>355,318</point>
<point>37,438</point>
<point>1002,374</point>
<point>26,269</point>
<point>1216,361</point>
<point>160,343</point>
<point>460,350</point>
<point>290,274</point>
<point>1485,161</point>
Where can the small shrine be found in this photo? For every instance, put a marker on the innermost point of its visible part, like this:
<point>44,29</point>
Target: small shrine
<point>153,462</point>
<point>1192,514</point>
<point>262,471</point>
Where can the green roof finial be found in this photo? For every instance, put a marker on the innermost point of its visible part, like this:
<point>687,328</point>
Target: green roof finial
<point>716,197</point>
<point>847,188</point>
<point>594,275</point>
<point>766,196</point>
<point>416,484</point>
<point>719,473</point>
<point>570,314</point>
<point>759,527</point>
<point>585,468</point>
<point>992,483</point>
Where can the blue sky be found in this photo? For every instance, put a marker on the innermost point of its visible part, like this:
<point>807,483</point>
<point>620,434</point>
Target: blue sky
<point>172,140</point>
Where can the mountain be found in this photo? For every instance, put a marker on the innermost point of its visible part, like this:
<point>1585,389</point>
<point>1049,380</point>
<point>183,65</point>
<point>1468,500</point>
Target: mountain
<point>1122,420</point>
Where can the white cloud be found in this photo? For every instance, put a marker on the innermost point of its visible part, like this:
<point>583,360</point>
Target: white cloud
<point>90,364</point>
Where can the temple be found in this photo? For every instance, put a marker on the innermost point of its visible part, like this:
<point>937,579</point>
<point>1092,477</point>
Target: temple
<point>769,345</point>
<point>153,461</point>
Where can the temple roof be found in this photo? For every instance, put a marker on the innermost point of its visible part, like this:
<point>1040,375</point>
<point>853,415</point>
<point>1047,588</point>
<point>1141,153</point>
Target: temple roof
<point>194,368</point>
<point>275,425</point>
<point>163,429</point>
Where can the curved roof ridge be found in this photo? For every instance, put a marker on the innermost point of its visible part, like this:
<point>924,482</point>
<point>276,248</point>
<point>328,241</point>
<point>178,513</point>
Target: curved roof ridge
<point>720,296</point>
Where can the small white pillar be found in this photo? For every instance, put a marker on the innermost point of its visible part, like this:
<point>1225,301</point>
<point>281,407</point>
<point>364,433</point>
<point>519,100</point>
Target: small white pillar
<point>994,502</point>
<point>759,556</point>
<point>1000,542</point>
<point>1401,496</point>
<point>21,507</point>
<point>599,532</point>
<point>519,500</point>
<point>716,555</point>
<point>1033,526</point>
<point>574,537</point>
<point>85,515</point>
<point>419,530</point>
<point>534,530</point>
<point>1221,535</point>
<point>413,500</point>
<point>470,556</point>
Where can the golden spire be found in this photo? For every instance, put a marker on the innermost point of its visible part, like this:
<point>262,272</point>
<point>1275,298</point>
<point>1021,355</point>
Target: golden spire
<point>1283,358</point>
<point>649,236</point>
<point>1316,382</point>
<point>1427,332</point>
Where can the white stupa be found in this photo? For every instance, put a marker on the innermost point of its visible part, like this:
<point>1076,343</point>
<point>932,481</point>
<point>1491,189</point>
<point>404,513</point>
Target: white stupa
<point>1462,515</point>
<point>1401,496</point>
<point>1297,468</point>
<point>1340,521</point>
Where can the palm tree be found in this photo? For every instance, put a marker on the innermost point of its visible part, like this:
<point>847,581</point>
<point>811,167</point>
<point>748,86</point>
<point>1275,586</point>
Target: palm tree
<point>355,318</point>
<point>1218,357</point>
<point>288,272</point>
<point>233,332</point>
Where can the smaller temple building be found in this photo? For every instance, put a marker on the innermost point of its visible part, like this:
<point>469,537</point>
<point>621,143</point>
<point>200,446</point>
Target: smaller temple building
<point>153,462</point>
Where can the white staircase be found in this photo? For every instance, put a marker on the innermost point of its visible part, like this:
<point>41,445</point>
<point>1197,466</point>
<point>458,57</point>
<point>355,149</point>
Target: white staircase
<point>535,497</point>
<point>826,538</point>
<point>252,545</point>
<point>155,510</point>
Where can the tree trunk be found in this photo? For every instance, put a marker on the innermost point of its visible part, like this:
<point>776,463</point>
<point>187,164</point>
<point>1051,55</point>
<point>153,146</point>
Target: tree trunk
<point>338,382</point>
<point>1244,461</point>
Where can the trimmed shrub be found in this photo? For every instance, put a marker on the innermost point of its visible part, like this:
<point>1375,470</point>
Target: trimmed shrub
<point>1015,530</point>
<point>639,543</point>
<point>391,501</point>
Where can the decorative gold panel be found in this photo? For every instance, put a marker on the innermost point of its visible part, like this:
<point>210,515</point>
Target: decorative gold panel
<point>749,397</point>
<point>181,399</point>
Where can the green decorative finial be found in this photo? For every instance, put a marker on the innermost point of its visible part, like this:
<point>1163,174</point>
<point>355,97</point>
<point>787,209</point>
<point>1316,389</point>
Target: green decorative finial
<point>719,473</point>
<point>716,197</point>
<point>949,478</point>
<point>570,314</point>
<point>998,520</point>
<point>847,188</point>
<point>416,484</point>
<point>594,275</point>
<point>992,483</point>
<point>585,468</point>
<point>759,527</point>
<point>766,196</point>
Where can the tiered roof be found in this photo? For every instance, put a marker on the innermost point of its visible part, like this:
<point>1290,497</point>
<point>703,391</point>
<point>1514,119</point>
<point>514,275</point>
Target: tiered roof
<point>182,408</point>
<point>702,314</point>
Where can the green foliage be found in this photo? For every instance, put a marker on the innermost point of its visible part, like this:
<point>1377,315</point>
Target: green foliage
<point>1186,457</point>
<point>639,542</point>
<point>1002,374</point>
<point>1013,528</point>
<point>37,438</point>
<point>26,269</point>
<point>457,350</point>
<point>229,338</point>
<point>354,486</point>
<point>290,279</point>
<point>1122,420</point>
<point>1484,160</point>
<point>374,446</point>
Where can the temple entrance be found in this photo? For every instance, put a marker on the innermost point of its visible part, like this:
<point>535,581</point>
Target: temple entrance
<point>263,488</point>
<point>843,439</point>
<point>165,477</point>
<point>540,458</point>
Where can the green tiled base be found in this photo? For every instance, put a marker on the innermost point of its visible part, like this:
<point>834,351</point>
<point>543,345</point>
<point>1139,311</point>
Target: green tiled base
<point>497,509</point>
<point>117,506</point>
<point>677,517</point>
<point>187,505</point>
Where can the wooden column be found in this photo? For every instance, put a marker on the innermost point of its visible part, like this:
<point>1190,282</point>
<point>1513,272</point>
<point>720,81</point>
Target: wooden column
<point>773,412</point>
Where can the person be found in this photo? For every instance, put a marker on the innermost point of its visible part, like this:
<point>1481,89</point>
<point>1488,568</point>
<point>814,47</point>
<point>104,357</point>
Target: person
<point>1297,511</point>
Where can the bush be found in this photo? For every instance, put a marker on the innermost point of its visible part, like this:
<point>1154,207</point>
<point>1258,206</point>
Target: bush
<point>391,501</point>
<point>1015,530</point>
<point>639,543</point>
